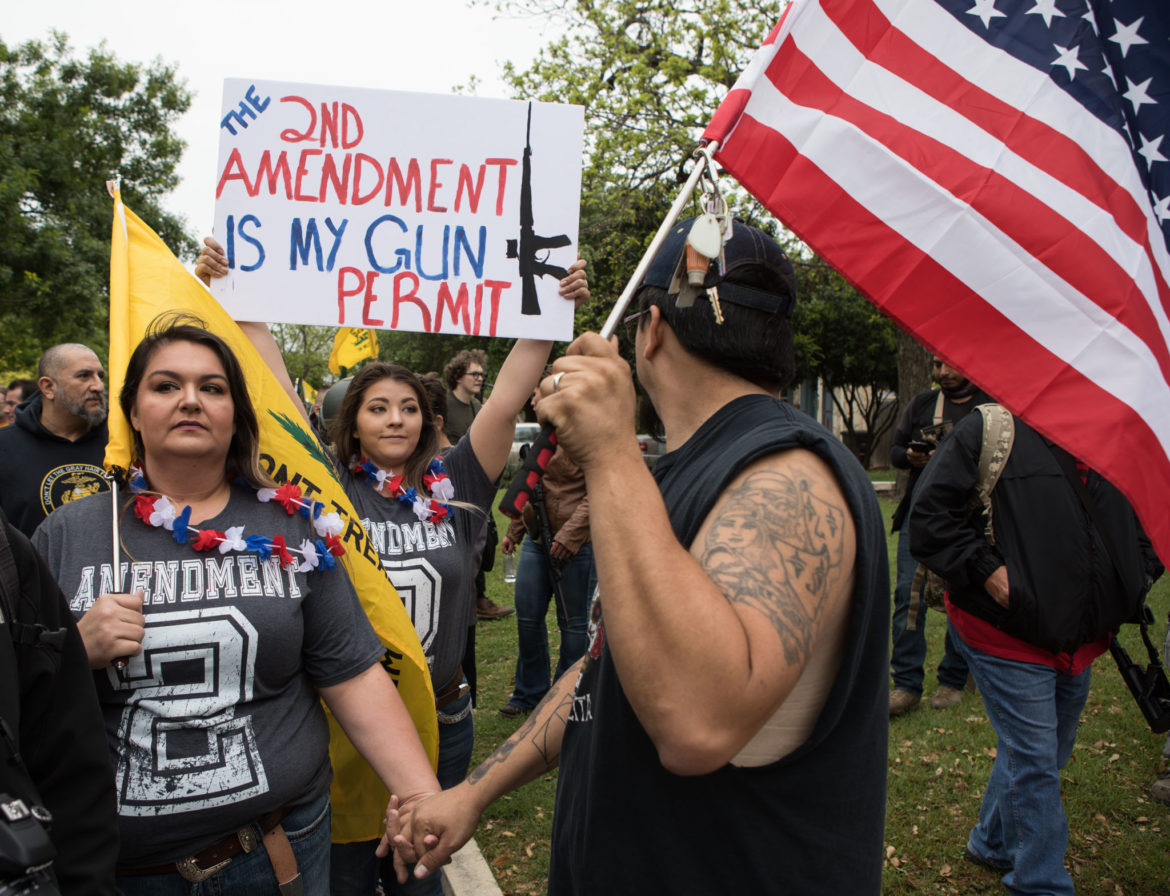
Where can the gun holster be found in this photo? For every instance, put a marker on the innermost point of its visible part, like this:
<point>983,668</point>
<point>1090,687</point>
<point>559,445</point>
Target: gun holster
<point>1148,684</point>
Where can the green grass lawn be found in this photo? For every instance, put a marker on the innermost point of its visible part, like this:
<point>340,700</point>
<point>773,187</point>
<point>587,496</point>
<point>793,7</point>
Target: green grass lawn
<point>939,763</point>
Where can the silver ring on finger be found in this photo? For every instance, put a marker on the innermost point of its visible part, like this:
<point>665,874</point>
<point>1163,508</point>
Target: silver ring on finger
<point>557,381</point>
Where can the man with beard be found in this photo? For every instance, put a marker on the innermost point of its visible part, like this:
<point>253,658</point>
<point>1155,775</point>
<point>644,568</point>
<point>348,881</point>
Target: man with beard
<point>930,413</point>
<point>53,452</point>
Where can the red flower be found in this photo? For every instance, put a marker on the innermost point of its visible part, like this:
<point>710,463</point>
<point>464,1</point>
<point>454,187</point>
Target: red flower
<point>207,540</point>
<point>289,496</point>
<point>438,511</point>
<point>393,485</point>
<point>281,551</point>
<point>336,548</point>
<point>144,507</point>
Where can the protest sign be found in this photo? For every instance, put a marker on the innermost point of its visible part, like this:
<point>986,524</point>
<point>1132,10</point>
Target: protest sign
<point>370,208</point>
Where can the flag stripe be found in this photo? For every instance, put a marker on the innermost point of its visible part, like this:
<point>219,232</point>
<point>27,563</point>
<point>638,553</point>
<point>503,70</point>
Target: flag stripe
<point>1050,394</point>
<point>1075,256</point>
<point>1103,176</point>
<point>987,262</point>
<point>990,200</point>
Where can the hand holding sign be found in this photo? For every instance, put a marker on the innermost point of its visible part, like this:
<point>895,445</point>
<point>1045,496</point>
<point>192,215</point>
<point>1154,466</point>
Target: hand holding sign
<point>365,208</point>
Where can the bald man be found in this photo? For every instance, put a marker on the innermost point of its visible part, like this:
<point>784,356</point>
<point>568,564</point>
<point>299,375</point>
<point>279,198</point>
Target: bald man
<point>53,451</point>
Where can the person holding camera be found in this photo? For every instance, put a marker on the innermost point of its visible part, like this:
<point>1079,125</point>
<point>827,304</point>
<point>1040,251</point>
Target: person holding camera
<point>926,418</point>
<point>1031,608</point>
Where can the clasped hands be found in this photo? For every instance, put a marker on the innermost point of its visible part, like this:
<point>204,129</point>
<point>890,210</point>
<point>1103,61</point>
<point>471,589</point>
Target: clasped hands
<point>426,829</point>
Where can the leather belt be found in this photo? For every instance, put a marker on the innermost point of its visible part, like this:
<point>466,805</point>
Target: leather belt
<point>207,862</point>
<point>452,691</point>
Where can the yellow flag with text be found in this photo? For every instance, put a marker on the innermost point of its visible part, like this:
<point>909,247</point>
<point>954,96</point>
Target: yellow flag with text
<point>146,280</point>
<point>350,347</point>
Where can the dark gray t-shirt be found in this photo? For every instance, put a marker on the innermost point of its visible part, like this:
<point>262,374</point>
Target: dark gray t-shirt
<point>217,720</point>
<point>431,564</point>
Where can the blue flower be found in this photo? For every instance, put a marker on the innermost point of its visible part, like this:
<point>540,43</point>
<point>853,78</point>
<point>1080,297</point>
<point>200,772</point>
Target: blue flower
<point>179,530</point>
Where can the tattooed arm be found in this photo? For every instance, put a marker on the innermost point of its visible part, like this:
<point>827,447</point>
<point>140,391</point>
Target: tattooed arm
<point>710,643</point>
<point>439,825</point>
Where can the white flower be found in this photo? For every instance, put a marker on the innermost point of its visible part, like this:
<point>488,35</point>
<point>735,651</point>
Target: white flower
<point>233,540</point>
<point>264,495</point>
<point>328,524</point>
<point>309,552</point>
<point>443,489</point>
<point>422,508</point>
<point>163,514</point>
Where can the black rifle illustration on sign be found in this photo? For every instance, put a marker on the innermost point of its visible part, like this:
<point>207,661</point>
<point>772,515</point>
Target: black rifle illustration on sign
<point>526,248</point>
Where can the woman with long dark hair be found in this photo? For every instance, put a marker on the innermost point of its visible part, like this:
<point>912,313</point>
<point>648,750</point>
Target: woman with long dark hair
<point>217,637</point>
<point>423,515</point>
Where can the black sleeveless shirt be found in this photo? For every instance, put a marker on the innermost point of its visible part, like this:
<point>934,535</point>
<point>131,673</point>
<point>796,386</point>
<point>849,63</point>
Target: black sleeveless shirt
<point>810,823</point>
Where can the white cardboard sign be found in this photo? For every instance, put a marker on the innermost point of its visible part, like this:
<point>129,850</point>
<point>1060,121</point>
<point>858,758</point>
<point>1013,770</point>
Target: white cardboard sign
<point>354,207</point>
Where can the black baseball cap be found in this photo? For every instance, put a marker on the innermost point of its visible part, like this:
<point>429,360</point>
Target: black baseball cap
<point>747,247</point>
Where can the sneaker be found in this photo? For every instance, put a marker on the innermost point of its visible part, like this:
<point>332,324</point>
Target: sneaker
<point>486,608</point>
<point>902,702</point>
<point>990,864</point>
<point>1160,789</point>
<point>945,697</point>
<point>512,711</point>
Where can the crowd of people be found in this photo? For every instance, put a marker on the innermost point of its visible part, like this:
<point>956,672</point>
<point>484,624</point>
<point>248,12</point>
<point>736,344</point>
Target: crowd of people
<point>723,618</point>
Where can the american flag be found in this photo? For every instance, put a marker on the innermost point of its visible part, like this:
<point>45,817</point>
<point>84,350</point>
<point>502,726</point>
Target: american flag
<point>995,176</point>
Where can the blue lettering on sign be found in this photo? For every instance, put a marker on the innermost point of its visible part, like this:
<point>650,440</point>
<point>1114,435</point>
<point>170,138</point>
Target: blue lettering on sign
<point>248,108</point>
<point>232,230</point>
<point>403,254</point>
<point>302,239</point>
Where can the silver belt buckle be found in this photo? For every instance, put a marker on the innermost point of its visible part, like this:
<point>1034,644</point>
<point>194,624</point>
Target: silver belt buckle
<point>189,869</point>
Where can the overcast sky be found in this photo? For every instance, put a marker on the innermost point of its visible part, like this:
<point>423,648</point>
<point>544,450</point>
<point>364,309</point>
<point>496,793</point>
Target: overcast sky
<point>421,45</point>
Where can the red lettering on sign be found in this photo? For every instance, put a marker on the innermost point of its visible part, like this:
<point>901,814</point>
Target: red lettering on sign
<point>234,170</point>
<point>362,160</point>
<point>411,295</point>
<point>504,164</point>
<point>458,307</point>
<point>302,170</point>
<point>412,182</point>
<point>497,287</point>
<point>288,135</point>
<point>435,185</point>
<point>343,292</point>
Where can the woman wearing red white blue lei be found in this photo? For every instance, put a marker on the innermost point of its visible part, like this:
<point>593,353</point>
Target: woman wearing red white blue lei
<point>422,516</point>
<point>215,639</point>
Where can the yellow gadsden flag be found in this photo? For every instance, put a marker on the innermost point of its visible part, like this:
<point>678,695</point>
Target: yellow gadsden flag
<point>351,346</point>
<point>146,280</point>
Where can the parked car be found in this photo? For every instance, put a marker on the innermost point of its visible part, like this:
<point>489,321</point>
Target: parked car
<point>652,448</point>
<point>525,434</point>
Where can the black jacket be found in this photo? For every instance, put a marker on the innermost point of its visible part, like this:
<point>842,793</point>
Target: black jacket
<point>919,413</point>
<point>41,470</point>
<point>1064,589</point>
<point>48,700</point>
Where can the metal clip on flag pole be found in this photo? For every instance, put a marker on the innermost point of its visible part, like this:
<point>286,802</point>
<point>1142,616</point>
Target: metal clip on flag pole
<point>520,491</point>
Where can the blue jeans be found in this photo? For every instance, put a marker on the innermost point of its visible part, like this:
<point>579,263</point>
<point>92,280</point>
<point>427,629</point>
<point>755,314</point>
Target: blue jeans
<point>307,828</point>
<point>534,589</point>
<point>1022,827</point>
<point>908,652</point>
<point>355,868</point>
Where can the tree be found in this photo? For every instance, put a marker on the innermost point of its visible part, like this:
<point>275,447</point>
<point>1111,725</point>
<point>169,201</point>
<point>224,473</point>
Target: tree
<point>847,342</point>
<point>66,126</point>
<point>650,75</point>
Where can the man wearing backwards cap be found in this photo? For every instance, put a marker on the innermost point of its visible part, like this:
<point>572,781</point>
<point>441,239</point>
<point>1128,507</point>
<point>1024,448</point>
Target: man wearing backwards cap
<point>726,731</point>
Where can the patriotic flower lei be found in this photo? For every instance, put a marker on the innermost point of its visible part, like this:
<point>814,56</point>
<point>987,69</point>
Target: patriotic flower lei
<point>159,511</point>
<point>385,483</point>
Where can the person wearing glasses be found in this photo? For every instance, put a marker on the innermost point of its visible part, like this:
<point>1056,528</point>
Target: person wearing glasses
<point>465,374</point>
